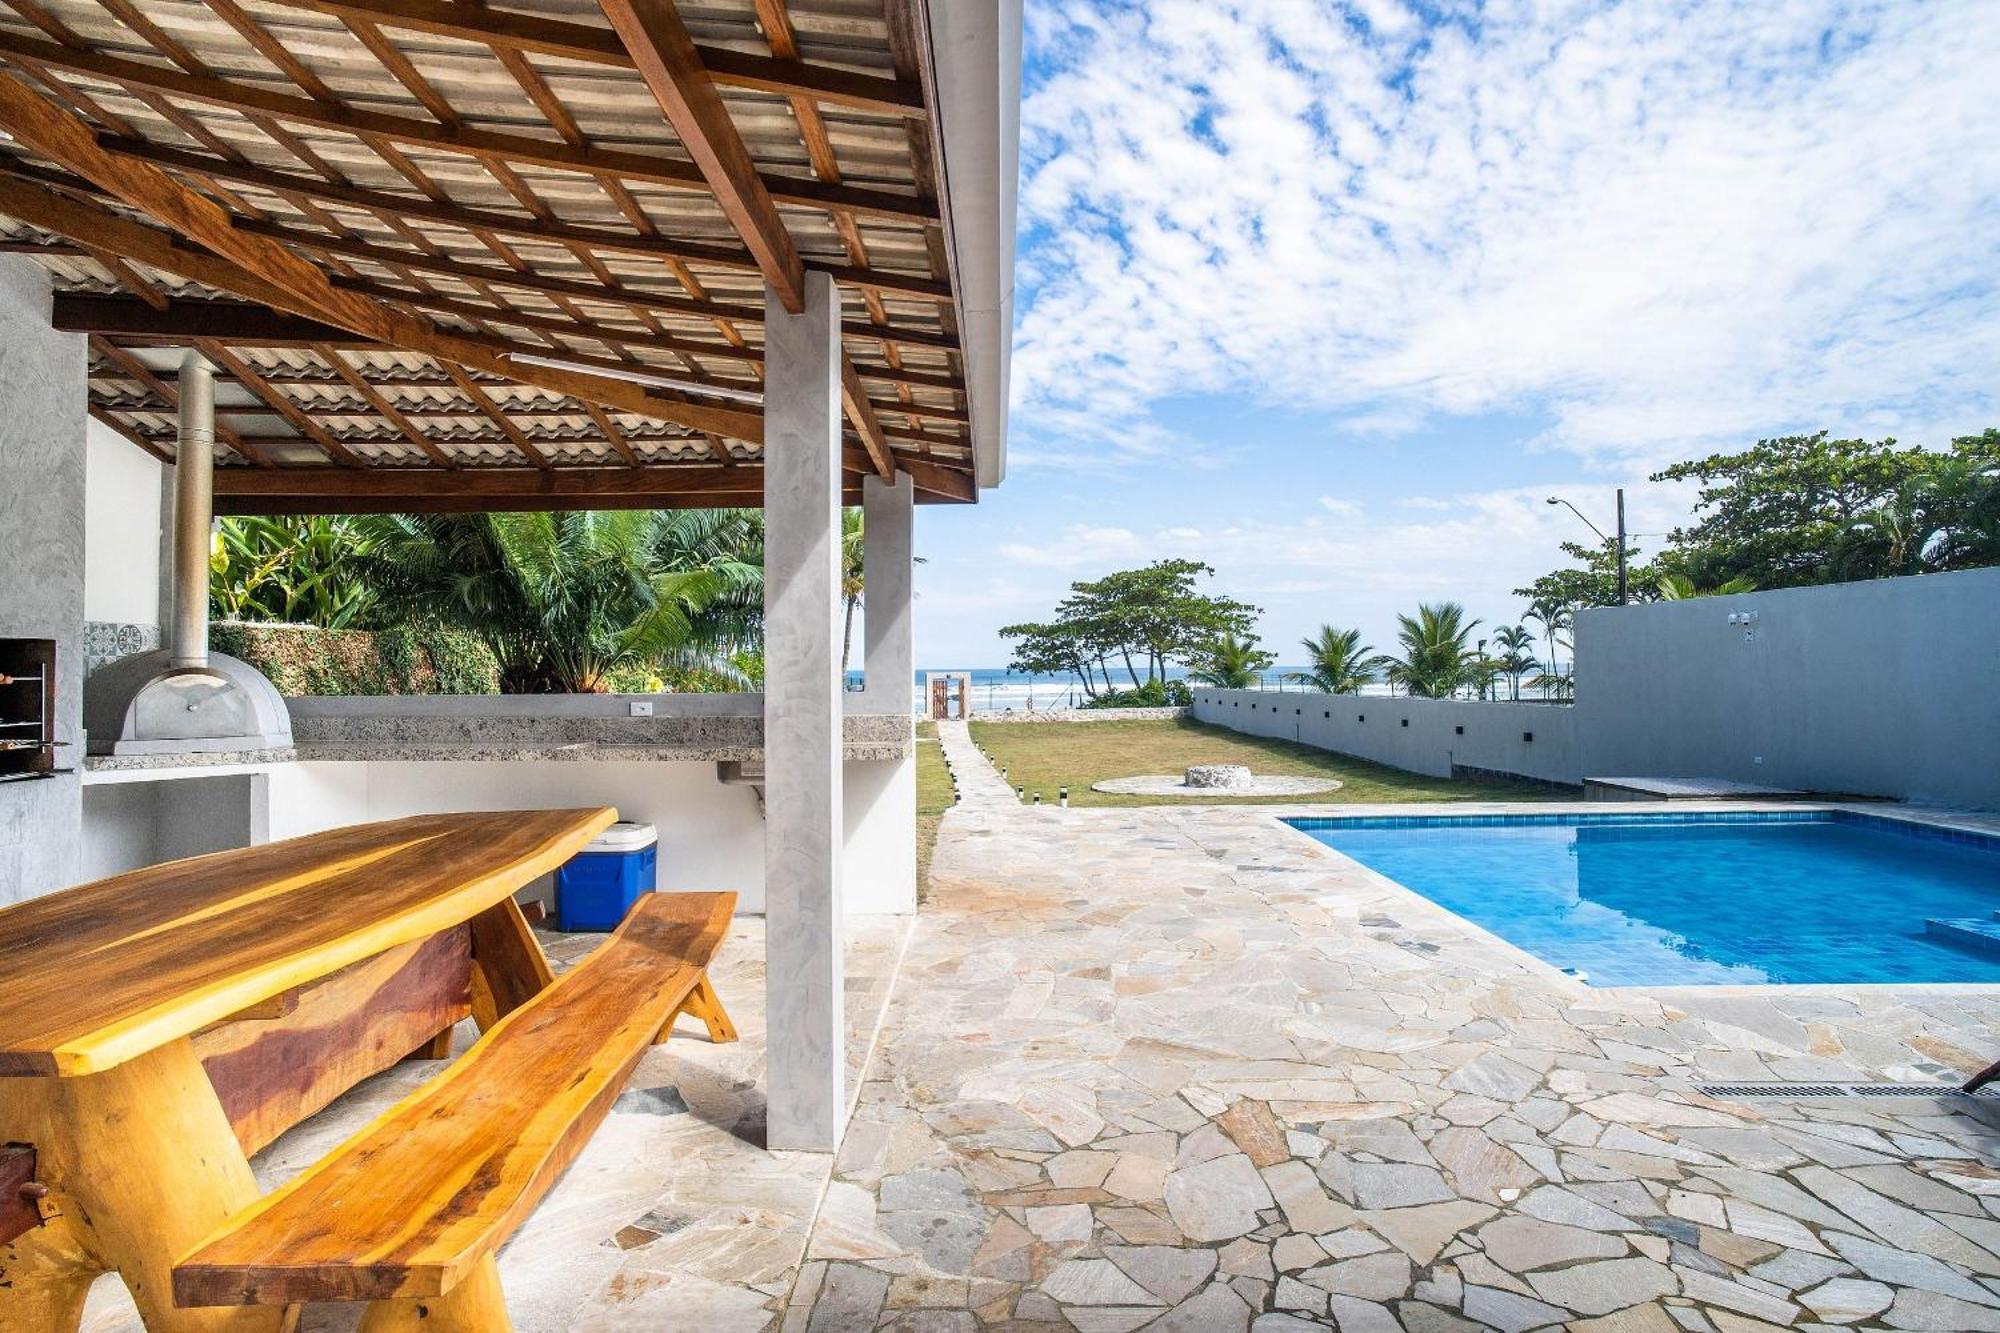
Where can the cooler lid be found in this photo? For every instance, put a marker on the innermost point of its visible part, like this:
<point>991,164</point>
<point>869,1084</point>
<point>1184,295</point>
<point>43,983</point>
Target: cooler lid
<point>624,836</point>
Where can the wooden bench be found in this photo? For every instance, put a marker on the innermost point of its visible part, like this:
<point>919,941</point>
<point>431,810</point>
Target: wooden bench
<point>409,1213</point>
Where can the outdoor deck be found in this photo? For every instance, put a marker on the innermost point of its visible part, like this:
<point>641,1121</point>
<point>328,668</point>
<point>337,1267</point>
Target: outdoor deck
<point>1178,1061</point>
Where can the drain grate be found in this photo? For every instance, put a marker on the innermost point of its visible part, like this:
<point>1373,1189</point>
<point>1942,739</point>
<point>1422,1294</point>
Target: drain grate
<point>1791,1092</point>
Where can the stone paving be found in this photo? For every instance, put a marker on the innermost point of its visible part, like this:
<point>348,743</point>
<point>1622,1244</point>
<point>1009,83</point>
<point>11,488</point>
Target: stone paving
<point>1182,1069</point>
<point>674,1216</point>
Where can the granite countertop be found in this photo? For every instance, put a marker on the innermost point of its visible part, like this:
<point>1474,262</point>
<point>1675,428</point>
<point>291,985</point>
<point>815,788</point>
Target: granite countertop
<point>704,738</point>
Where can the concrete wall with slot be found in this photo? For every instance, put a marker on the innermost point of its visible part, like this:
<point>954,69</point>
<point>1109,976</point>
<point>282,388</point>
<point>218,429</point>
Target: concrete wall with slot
<point>1885,688</point>
<point>42,556</point>
<point>1419,735</point>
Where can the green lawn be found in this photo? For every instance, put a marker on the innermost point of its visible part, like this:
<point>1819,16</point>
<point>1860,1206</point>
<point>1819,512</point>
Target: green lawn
<point>1046,756</point>
<point>936,793</point>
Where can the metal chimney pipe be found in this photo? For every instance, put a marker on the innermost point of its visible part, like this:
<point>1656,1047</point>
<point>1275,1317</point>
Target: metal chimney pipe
<point>194,509</point>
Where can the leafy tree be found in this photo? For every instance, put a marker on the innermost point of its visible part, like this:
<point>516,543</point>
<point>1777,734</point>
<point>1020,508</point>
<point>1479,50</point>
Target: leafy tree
<point>1230,663</point>
<point>1137,619</point>
<point>299,571</point>
<point>1340,662</point>
<point>565,599</point>
<point>1435,662</point>
<point>1775,512</point>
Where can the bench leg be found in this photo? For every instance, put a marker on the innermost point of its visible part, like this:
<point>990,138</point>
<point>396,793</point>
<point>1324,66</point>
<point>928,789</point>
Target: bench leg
<point>141,1161</point>
<point>508,965</point>
<point>703,1003</point>
<point>473,1306</point>
<point>44,1276</point>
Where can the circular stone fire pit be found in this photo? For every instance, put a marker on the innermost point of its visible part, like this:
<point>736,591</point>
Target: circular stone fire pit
<point>1214,780</point>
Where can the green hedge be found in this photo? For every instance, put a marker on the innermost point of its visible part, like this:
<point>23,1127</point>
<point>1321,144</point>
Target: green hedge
<point>304,659</point>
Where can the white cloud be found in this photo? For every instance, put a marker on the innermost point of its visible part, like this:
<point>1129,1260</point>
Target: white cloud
<point>1662,223</point>
<point>1347,569</point>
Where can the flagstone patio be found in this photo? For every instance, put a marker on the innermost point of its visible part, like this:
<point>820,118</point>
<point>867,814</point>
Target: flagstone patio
<point>1184,1069</point>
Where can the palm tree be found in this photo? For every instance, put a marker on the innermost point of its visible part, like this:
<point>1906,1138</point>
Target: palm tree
<point>1518,648</point>
<point>853,557</point>
<point>565,598</point>
<point>1553,616</point>
<point>1681,588</point>
<point>1231,664</point>
<point>1341,663</point>
<point>1436,662</point>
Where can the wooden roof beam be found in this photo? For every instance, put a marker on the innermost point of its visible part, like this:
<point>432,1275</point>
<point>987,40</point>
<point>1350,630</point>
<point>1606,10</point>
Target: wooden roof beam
<point>593,45</point>
<point>252,99</point>
<point>667,60</point>
<point>263,270</point>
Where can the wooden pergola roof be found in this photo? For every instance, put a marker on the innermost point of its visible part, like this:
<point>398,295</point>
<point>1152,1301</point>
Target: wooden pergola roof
<point>449,255</point>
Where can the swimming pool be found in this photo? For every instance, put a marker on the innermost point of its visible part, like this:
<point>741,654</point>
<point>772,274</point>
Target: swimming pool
<point>1702,898</point>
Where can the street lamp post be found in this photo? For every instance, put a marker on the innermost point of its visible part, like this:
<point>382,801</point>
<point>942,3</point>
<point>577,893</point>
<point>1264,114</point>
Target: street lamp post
<point>1624,591</point>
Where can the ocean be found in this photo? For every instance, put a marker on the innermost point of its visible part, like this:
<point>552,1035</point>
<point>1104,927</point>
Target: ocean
<point>997,690</point>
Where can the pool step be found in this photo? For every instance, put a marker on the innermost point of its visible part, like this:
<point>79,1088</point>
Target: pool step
<point>1973,932</point>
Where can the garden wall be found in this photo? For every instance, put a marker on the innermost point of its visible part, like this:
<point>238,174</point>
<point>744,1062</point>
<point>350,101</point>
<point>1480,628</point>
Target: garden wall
<point>1884,688</point>
<point>1430,736</point>
<point>1083,715</point>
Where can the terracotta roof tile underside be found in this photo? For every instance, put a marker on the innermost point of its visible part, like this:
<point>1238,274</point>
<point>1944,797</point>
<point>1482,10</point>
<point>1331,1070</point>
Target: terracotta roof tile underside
<point>451,255</point>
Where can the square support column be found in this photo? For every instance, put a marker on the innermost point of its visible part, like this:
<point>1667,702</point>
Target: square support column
<point>803,831</point>
<point>888,652</point>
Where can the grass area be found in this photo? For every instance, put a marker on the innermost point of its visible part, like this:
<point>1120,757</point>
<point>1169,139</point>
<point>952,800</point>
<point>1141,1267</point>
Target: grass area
<point>1046,756</point>
<point>936,793</point>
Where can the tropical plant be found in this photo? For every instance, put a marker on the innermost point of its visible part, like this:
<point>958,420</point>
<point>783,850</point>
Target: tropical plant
<point>1517,647</point>
<point>1230,663</point>
<point>1435,662</point>
<point>1339,662</point>
<point>564,599</point>
<point>1553,617</point>
<point>298,571</point>
<point>853,563</point>
<point>1680,588</point>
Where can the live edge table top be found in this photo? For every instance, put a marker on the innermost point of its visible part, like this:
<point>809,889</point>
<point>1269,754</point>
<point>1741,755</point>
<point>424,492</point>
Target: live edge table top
<point>92,976</point>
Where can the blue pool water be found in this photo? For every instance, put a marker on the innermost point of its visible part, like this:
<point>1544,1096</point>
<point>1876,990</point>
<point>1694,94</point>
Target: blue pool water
<point>1667,900</point>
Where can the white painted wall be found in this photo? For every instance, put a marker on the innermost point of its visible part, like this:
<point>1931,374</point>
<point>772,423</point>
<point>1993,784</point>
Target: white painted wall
<point>121,523</point>
<point>1419,735</point>
<point>711,835</point>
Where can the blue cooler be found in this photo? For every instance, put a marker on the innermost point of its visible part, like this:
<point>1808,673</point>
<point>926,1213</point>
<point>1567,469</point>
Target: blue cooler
<point>598,886</point>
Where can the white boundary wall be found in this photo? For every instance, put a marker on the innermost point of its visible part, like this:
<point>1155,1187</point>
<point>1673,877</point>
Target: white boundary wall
<point>1419,735</point>
<point>1886,688</point>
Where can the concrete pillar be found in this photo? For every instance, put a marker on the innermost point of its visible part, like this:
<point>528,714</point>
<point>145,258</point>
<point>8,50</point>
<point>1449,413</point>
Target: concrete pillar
<point>42,411</point>
<point>806,1031</point>
<point>889,658</point>
<point>888,653</point>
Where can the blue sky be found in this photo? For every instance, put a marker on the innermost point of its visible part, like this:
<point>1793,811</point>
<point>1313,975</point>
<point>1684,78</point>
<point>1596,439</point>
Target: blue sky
<point>1333,295</point>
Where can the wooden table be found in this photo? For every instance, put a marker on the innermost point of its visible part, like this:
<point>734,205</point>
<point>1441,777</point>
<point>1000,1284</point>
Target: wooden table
<point>159,1026</point>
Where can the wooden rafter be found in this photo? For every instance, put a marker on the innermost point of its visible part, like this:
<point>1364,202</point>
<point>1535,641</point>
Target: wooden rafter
<point>263,270</point>
<point>386,409</point>
<point>671,66</point>
<point>149,380</point>
<point>487,407</point>
<point>276,399</point>
<point>254,99</point>
<point>576,41</point>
